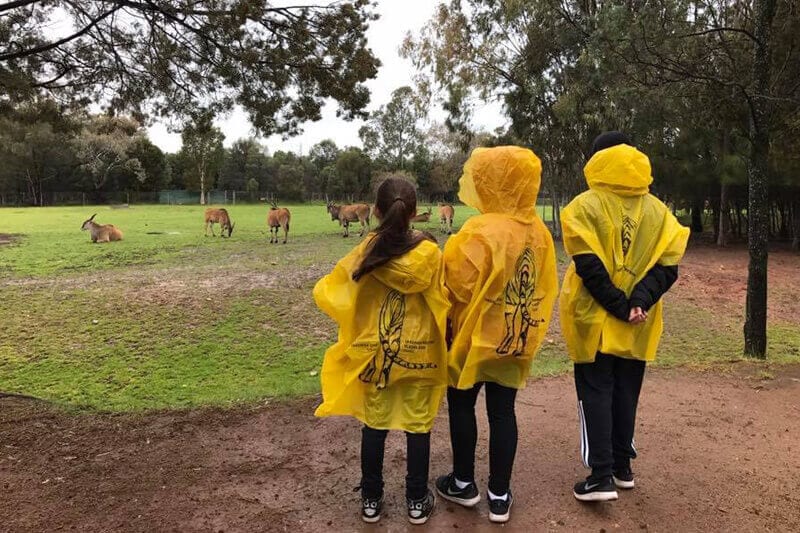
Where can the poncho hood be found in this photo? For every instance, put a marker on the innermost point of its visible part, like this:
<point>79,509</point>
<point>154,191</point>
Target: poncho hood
<point>621,169</point>
<point>503,179</point>
<point>412,272</point>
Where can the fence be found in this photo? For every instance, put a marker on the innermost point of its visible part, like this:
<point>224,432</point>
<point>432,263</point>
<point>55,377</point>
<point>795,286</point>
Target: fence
<point>169,197</point>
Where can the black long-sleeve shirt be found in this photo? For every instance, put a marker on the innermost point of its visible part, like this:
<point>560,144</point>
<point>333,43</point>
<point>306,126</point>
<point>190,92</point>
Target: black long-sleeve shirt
<point>645,294</point>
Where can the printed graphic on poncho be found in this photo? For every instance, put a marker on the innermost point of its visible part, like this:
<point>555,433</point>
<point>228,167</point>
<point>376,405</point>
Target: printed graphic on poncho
<point>390,330</point>
<point>628,227</point>
<point>520,306</point>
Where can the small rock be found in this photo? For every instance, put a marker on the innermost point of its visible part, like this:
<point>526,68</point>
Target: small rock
<point>95,321</point>
<point>313,373</point>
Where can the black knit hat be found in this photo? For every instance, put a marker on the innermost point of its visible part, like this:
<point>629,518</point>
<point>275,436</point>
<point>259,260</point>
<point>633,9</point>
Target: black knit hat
<point>609,139</point>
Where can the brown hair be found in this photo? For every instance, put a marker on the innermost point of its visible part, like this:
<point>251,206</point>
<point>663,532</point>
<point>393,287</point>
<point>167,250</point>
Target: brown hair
<point>396,200</point>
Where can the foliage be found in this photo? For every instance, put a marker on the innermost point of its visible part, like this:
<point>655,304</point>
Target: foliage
<point>203,153</point>
<point>163,57</point>
<point>393,134</point>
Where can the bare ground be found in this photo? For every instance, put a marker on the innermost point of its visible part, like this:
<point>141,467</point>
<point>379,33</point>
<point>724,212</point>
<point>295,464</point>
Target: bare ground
<point>718,452</point>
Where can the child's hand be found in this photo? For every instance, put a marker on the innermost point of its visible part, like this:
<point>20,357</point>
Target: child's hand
<point>637,316</point>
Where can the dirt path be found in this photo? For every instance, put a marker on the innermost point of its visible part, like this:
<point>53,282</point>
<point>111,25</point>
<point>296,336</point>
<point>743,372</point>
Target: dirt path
<point>718,453</point>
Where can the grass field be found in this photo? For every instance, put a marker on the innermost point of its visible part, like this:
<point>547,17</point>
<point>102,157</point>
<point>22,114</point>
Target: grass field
<point>178,320</point>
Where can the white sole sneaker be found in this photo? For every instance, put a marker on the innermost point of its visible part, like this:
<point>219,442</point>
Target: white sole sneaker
<point>471,502</point>
<point>604,496</point>
<point>370,520</point>
<point>622,484</point>
<point>501,518</point>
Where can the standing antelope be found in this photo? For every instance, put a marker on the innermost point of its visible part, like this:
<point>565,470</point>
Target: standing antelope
<point>346,214</point>
<point>422,217</point>
<point>101,232</point>
<point>278,218</point>
<point>218,216</point>
<point>446,214</point>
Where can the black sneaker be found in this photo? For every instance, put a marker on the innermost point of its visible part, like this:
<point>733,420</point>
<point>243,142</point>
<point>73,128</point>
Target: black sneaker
<point>420,510</point>
<point>623,478</point>
<point>447,489</point>
<point>500,510</point>
<point>371,509</point>
<point>595,491</point>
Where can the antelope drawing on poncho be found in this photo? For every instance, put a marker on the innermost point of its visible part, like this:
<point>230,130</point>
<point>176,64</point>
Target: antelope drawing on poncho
<point>519,306</point>
<point>101,232</point>
<point>390,331</point>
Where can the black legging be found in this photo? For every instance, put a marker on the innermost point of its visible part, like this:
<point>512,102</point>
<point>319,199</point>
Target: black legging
<point>502,433</point>
<point>418,451</point>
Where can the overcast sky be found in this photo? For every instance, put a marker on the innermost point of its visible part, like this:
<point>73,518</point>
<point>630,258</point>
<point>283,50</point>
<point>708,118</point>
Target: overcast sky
<point>385,36</point>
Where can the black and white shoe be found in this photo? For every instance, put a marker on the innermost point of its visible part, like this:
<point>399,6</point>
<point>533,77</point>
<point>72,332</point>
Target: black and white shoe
<point>447,489</point>
<point>371,509</point>
<point>593,490</point>
<point>420,510</point>
<point>623,478</point>
<point>500,510</point>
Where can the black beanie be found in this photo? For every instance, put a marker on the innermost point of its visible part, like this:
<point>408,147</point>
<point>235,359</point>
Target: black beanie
<point>609,139</point>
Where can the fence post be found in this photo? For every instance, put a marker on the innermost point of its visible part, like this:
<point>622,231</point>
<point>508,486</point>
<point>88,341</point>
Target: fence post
<point>234,197</point>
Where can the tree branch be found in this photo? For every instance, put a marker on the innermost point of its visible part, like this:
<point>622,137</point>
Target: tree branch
<point>49,46</point>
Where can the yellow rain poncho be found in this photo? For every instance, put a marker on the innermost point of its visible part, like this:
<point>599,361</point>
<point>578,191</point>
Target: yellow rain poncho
<point>630,231</point>
<point>500,269</point>
<point>389,366</point>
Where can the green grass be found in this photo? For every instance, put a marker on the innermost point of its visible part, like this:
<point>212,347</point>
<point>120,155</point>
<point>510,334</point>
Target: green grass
<point>179,320</point>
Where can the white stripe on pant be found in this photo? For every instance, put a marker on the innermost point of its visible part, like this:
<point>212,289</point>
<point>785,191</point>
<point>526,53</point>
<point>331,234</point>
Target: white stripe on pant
<point>584,435</point>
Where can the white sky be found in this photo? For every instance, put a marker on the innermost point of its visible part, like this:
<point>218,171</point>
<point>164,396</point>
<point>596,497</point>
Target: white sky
<point>385,37</point>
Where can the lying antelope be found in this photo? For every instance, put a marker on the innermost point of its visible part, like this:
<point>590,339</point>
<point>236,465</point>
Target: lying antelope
<point>218,216</point>
<point>278,218</point>
<point>101,232</point>
<point>446,214</point>
<point>346,214</point>
<point>422,217</point>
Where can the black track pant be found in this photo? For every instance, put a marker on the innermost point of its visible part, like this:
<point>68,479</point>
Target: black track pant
<point>373,443</point>
<point>608,393</point>
<point>502,433</point>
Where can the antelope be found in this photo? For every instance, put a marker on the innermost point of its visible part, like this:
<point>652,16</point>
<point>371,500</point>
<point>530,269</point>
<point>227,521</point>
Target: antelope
<point>346,214</point>
<point>446,214</point>
<point>278,218</point>
<point>101,232</point>
<point>218,216</point>
<point>422,217</point>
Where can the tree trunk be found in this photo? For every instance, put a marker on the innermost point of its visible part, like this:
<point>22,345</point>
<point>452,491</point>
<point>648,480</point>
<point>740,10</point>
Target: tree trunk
<point>796,224</point>
<point>202,188</point>
<point>697,216</point>
<point>723,229</point>
<point>724,216</point>
<point>755,327</point>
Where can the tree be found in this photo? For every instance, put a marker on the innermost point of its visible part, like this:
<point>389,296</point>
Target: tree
<point>169,57</point>
<point>393,135</point>
<point>105,146</point>
<point>154,165</point>
<point>242,162</point>
<point>35,150</point>
<point>352,175</point>
<point>324,154</point>
<point>203,150</point>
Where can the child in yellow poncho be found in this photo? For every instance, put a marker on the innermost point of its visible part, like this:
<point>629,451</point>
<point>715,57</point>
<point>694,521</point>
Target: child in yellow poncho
<point>625,247</point>
<point>389,367</point>
<point>500,269</point>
